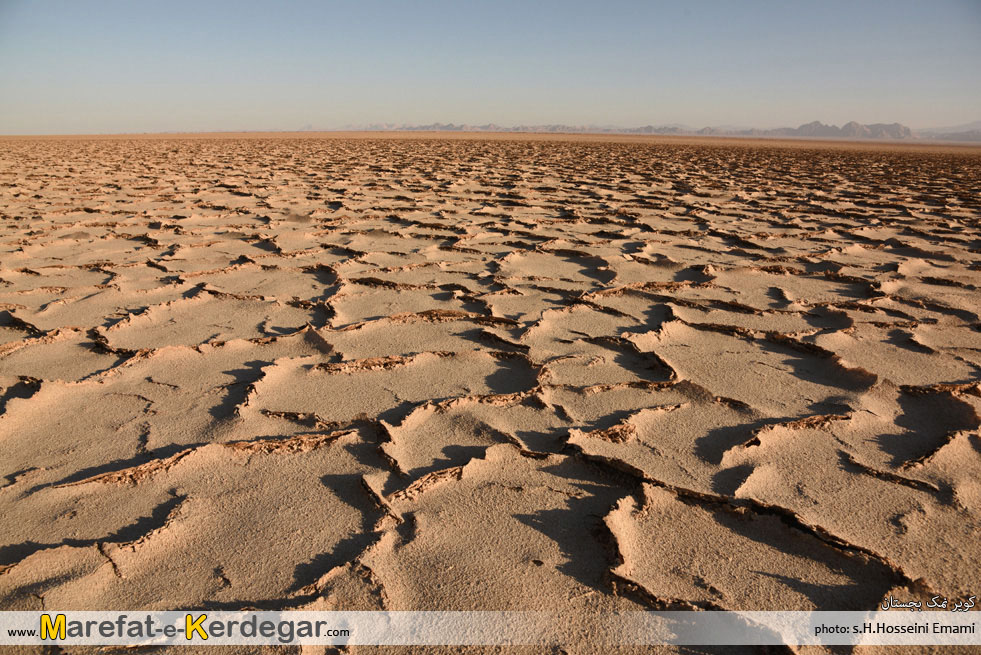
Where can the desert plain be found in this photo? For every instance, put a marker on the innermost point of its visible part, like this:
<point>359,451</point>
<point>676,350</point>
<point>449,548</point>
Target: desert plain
<point>575,374</point>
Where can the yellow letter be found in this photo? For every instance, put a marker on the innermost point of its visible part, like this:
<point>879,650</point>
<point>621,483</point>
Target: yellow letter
<point>195,626</point>
<point>48,628</point>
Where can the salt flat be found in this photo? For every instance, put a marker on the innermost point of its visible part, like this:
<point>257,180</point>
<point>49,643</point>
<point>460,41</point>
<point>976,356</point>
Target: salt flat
<point>419,372</point>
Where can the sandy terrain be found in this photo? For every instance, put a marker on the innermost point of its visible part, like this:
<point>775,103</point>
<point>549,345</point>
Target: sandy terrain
<point>574,374</point>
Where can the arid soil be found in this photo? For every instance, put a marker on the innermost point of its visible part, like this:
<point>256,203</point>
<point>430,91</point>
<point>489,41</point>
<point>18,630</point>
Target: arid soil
<point>577,374</point>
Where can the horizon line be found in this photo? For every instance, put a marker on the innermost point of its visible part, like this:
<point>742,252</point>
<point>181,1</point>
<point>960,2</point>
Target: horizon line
<point>514,131</point>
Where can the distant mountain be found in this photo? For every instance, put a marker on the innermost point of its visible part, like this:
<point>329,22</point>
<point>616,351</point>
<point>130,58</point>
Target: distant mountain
<point>813,130</point>
<point>953,129</point>
<point>850,130</point>
<point>966,132</point>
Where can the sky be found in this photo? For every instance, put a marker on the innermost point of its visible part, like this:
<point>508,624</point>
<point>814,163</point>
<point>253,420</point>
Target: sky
<point>86,66</point>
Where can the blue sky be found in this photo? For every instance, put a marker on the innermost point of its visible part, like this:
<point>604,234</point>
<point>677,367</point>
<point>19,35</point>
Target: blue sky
<point>97,67</point>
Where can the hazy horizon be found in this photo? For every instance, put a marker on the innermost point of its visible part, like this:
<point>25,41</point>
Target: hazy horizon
<point>116,67</point>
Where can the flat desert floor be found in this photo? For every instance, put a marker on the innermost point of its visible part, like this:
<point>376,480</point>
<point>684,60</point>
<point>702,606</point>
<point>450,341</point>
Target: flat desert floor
<point>575,374</point>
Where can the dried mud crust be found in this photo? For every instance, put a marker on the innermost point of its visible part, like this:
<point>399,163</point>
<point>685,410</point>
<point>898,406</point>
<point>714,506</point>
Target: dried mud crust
<point>422,374</point>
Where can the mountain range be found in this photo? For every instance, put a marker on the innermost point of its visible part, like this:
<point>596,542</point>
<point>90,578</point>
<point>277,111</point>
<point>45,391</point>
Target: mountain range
<point>813,130</point>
